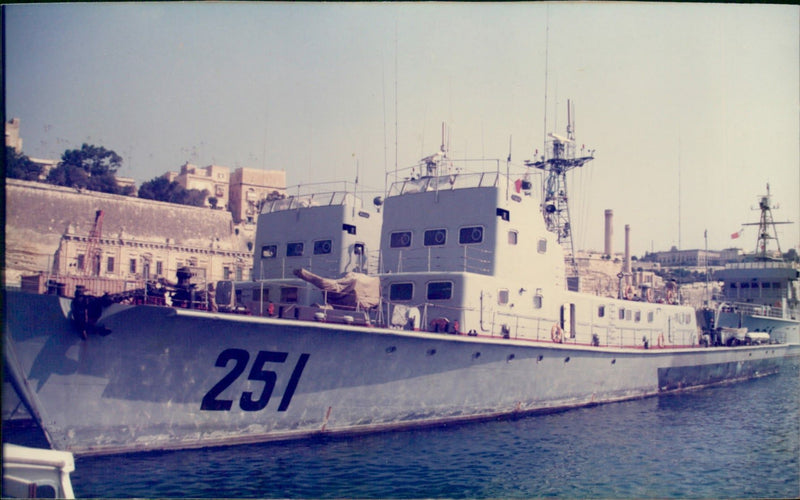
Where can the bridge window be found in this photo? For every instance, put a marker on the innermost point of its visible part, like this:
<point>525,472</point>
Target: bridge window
<point>440,290</point>
<point>289,294</point>
<point>637,316</point>
<point>435,237</point>
<point>470,235</point>
<point>294,249</point>
<point>269,251</point>
<point>322,247</point>
<point>400,239</point>
<point>401,291</point>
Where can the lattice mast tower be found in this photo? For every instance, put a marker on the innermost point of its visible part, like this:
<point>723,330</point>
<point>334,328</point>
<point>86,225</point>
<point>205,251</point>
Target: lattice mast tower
<point>560,156</point>
<point>766,224</point>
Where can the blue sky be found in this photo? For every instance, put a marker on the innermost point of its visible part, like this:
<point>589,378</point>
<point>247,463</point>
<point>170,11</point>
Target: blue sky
<point>694,103</point>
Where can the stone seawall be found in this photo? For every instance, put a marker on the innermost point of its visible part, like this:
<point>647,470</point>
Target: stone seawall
<point>39,216</point>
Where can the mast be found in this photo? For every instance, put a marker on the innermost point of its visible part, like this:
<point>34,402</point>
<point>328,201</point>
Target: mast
<point>560,157</point>
<point>766,224</point>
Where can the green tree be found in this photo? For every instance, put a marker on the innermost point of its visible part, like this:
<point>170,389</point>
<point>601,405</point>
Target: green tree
<point>161,189</point>
<point>19,166</point>
<point>91,167</point>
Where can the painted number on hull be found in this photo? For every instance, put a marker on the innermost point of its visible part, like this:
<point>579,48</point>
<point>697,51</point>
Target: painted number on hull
<point>248,401</point>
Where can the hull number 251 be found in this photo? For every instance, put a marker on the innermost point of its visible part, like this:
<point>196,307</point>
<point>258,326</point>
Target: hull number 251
<point>249,401</point>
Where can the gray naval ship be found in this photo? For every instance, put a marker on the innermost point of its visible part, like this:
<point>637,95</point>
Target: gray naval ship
<point>760,296</point>
<point>445,300</point>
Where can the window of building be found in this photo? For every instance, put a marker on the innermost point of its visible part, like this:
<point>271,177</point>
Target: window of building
<point>132,266</point>
<point>159,268</point>
<point>110,265</point>
<point>542,246</point>
<point>294,249</point>
<point>400,239</point>
<point>401,291</point>
<point>601,311</point>
<point>435,237</point>
<point>440,290</point>
<point>238,273</point>
<point>502,297</point>
<point>322,247</point>
<point>621,313</point>
<point>289,294</point>
<point>470,235</point>
<point>81,261</point>
<point>226,273</point>
<point>637,316</point>
<point>269,251</point>
<point>512,237</point>
<point>650,316</point>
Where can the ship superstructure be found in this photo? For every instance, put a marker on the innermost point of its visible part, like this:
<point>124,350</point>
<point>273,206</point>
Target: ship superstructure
<point>762,293</point>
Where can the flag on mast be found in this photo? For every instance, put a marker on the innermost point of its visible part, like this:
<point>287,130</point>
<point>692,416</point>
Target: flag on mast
<point>737,234</point>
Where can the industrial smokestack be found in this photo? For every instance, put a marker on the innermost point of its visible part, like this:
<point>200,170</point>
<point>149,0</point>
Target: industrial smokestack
<point>609,232</point>
<point>627,268</point>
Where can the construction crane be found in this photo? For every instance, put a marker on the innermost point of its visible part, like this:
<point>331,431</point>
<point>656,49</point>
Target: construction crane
<point>93,250</point>
<point>559,158</point>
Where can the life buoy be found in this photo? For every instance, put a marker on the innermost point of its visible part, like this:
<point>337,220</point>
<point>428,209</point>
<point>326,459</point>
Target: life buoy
<point>556,334</point>
<point>660,340</point>
<point>628,292</point>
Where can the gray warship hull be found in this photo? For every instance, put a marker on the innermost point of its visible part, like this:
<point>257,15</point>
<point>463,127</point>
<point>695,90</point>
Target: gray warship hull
<point>162,378</point>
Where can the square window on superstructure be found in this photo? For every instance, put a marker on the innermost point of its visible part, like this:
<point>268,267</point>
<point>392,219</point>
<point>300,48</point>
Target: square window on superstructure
<point>400,239</point>
<point>541,247</point>
<point>401,291</point>
<point>650,316</point>
<point>323,247</point>
<point>294,249</point>
<point>537,301</point>
<point>601,311</point>
<point>435,237</point>
<point>269,251</point>
<point>502,297</point>
<point>289,294</point>
<point>440,290</point>
<point>470,235</point>
<point>512,237</point>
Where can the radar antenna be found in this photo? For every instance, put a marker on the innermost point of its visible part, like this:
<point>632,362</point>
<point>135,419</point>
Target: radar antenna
<point>560,156</point>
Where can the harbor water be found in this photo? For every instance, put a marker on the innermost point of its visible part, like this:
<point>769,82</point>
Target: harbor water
<point>736,440</point>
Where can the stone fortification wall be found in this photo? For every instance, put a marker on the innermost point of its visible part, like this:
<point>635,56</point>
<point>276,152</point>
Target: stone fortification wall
<point>37,215</point>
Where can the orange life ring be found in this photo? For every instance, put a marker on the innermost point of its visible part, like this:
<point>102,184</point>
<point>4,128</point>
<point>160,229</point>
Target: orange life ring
<point>556,334</point>
<point>628,294</point>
